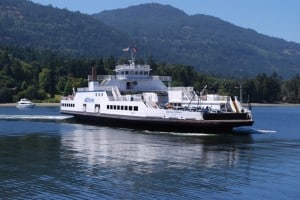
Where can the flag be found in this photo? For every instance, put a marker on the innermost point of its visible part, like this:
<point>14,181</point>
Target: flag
<point>126,49</point>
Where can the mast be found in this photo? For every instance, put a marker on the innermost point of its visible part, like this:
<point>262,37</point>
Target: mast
<point>132,52</point>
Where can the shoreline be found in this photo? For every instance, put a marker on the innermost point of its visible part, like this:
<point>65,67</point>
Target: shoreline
<point>273,104</point>
<point>36,104</point>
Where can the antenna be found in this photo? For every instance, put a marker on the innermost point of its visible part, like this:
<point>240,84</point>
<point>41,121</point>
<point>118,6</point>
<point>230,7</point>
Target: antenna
<point>132,52</point>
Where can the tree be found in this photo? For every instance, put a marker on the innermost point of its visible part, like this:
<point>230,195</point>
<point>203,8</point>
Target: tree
<point>273,84</point>
<point>67,89</point>
<point>31,92</point>
<point>6,95</point>
<point>45,79</point>
<point>292,89</point>
<point>250,90</point>
<point>61,83</point>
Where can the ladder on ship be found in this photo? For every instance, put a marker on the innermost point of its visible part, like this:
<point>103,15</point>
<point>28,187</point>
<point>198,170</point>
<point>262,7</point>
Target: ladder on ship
<point>116,93</point>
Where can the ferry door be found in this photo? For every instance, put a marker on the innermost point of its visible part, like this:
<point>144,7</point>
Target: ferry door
<point>97,108</point>
<point>84,108</point>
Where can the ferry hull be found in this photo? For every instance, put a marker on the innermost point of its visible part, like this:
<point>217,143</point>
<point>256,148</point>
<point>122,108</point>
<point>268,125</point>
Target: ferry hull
<point>161,124</point>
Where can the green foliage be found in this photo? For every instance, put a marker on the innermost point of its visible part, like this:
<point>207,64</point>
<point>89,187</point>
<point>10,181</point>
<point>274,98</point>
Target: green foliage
<point>6,95</point>
<point>159,31</point>
<point>51,74</point>
<point>25,23</point>
<point>44,79</point>
<point>208,43</point>
<point>35,74</point>
<point>291,89</point>
<point>264,88</point>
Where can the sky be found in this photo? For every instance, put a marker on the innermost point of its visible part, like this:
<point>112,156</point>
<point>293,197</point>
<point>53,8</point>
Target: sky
<point>276,18</point>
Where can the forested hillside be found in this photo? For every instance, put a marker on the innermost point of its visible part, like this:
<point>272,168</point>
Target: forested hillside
<point>163,32</point>
<point>24,23</point>
<point>41,75</point>
<point>205,42</point>
<point>45,51</point>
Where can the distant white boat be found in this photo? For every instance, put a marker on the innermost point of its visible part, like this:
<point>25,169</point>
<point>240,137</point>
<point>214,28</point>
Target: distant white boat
<point>25,103</point>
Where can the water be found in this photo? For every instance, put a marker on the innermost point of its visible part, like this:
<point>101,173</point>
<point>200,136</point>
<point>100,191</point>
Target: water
<point>44,155</point>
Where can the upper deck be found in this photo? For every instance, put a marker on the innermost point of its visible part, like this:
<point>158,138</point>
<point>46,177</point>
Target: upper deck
<point>131,72</point>
<point>130,77</point>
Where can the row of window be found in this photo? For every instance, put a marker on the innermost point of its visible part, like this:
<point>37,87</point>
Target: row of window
<point>118,107</point>
<point>99,94</point>
<point>133,73</point>
<point>109,107</point>
<point>68,105</point>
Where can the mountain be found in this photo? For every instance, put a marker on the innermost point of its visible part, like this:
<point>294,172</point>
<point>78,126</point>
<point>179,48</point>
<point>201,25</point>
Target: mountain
<point>205,42</point>
<point>166,33</point>
<point>24,23</point>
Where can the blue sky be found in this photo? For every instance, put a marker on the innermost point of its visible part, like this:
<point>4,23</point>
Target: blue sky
<point>277,18</point>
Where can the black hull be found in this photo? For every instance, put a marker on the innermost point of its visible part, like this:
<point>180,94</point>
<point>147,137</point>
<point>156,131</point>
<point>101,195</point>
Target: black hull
<point>225,116</point>
<point>160,124</point>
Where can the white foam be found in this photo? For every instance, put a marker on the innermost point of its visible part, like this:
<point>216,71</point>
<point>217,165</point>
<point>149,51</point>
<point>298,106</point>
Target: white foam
<point>179,133</point>
<point>265,131</point>
<point>193,134</point>
<point>34,117</point>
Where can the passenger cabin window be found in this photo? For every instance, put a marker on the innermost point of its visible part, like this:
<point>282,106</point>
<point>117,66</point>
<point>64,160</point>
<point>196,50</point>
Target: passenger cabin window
<point>119,107</point>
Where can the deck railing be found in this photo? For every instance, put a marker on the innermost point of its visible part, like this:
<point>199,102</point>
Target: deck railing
<point>133,77</point>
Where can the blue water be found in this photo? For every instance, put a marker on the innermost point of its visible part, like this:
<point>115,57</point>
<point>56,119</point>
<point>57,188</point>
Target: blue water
<point>44,155</point>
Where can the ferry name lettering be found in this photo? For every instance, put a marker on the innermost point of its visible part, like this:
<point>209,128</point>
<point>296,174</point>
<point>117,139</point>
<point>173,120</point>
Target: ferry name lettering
<point>89,100</point>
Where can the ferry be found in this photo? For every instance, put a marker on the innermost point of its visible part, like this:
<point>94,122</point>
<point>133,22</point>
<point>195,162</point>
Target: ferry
<point>25,103</point>
<point>133,98</point>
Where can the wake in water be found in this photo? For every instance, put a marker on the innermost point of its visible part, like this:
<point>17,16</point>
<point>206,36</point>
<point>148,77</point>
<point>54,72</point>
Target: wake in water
<point>265,131</point>
<point>34,117</point>
<point>236,132</point>
<point>253,131</point>
<point>179,133</point>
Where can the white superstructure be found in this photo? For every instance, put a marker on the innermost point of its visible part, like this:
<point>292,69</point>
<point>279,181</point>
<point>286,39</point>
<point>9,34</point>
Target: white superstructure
<point>132,97</point>
<point>25,103</point>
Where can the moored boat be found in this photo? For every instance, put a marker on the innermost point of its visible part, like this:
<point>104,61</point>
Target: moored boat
<point>134,98</point>
<point>25,103</point>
